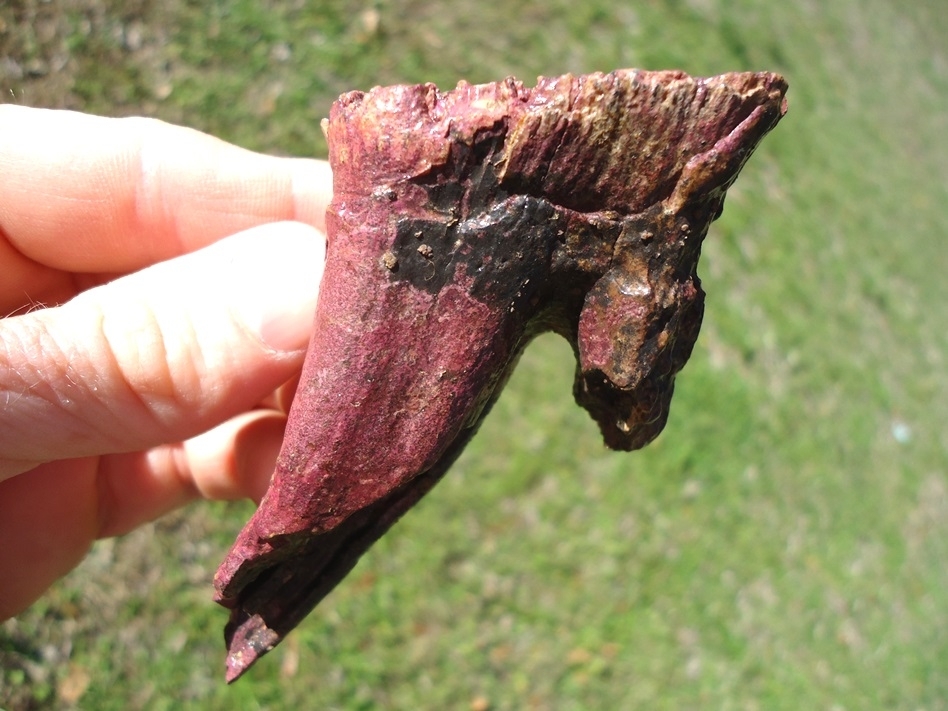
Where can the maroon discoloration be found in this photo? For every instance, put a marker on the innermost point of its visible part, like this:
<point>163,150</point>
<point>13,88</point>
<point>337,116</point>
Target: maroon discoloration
<point>463,224</point>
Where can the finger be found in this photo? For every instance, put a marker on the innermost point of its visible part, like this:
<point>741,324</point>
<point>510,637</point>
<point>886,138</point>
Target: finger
<point>285,393</point>
<point>232,461</point>
<point>281,398</point>
<point>162,354</point>
<point>47,523</point>
<point>50,517</point>
<point>84,193</point>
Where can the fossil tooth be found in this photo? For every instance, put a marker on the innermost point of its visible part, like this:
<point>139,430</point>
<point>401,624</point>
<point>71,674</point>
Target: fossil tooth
<point>464,223</point>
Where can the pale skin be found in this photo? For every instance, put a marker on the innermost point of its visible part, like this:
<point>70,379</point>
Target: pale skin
<point>158,287</point>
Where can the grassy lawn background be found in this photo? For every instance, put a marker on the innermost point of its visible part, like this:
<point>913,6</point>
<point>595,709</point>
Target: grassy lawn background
<point>783,545</point>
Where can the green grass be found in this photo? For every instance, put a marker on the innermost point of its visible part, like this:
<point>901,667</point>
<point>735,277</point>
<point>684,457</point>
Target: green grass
<point>783,545</point>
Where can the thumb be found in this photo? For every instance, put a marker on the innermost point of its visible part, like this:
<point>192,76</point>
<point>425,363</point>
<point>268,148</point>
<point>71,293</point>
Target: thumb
<point>162,354</point>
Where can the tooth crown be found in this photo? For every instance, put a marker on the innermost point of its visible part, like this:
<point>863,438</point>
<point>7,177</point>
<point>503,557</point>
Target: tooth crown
<point>463,224</point>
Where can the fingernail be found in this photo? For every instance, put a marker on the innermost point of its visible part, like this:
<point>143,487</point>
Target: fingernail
<point>280,307</point>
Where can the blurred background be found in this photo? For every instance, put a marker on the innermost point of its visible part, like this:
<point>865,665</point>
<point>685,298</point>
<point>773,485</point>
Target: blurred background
<point>784,543</point>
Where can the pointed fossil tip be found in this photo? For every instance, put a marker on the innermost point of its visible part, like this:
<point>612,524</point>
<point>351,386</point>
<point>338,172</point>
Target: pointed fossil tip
<point>239,662</point>
<point>235,668</point>
<point>247,639</point>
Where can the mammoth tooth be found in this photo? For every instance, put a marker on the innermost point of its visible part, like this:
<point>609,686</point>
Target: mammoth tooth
<point>462,224</point>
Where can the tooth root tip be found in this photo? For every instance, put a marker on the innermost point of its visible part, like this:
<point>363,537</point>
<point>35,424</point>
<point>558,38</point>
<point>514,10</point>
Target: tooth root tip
<point>248,640</point>
<point>238,663</point>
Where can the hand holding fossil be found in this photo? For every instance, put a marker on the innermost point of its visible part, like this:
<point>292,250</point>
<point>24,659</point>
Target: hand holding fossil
<point>123,398</point>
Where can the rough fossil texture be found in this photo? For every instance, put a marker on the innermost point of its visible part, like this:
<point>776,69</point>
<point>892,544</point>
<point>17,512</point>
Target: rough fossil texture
<point>462,224</point>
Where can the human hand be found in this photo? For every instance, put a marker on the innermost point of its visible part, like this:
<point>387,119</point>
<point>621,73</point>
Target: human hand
<point>161,286</point>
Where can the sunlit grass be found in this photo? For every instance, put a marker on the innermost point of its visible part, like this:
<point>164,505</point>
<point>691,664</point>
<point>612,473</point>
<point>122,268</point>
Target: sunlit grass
<point>783,545</point>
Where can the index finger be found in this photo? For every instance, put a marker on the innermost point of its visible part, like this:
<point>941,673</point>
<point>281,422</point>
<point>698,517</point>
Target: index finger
<point>83,193</point>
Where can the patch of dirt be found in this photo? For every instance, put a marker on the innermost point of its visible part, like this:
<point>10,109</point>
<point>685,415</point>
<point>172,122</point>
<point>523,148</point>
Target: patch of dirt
<point>100,55</point>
